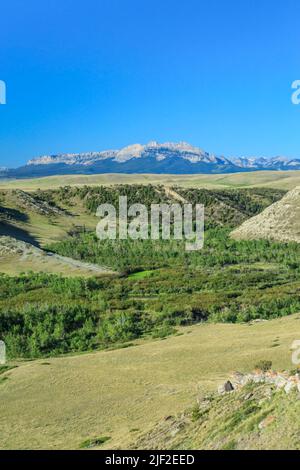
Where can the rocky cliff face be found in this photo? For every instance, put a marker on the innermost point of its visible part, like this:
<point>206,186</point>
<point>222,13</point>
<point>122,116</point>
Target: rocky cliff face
<point>152,149</point>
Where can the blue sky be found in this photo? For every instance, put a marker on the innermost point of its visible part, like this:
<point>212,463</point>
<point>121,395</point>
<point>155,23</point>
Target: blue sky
<point>98,74</point>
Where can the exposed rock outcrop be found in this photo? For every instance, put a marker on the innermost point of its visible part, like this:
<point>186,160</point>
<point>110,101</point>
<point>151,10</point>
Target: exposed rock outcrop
<point>281,380</point>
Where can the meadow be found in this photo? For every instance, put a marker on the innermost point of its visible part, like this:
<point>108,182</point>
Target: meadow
<point>273,179</point>
<point>101,359</point>
<point>59,403</point>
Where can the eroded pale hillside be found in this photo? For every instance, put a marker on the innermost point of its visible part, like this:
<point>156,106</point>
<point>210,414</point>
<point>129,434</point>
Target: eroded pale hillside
<point>279,222</point>
<point>17,257</point>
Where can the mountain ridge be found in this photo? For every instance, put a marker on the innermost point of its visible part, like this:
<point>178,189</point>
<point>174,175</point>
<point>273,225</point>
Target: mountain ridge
<point>153,157</point>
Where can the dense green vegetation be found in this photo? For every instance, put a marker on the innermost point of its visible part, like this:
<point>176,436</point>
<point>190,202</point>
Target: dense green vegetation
<point>223,208</point>
<point>247,202</point>
<point>137,255</point>
<point>159,286</point>
<point>228,281</point>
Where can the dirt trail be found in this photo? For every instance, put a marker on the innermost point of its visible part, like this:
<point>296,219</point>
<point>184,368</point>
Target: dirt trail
<point>170,192</point>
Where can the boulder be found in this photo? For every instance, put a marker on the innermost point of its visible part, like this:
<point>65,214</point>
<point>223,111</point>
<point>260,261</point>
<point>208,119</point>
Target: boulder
<point>280,382</point>
<point>225,388</point>
<point>238,379</point>
<point>289,386</point>
<point>258,377</point>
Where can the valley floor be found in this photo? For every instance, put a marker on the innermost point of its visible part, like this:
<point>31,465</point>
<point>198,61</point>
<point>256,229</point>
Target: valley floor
<point>59,403</point>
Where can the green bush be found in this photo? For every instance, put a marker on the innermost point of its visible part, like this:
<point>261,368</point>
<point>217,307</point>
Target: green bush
<point>264,365</point>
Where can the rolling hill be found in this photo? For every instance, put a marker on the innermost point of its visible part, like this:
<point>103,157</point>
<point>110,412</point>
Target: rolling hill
<point>279,222</point>
<point>268,179</point>
<point>28,222</point>
<point>17,257</point>
<point>33,221</point>
<point>256,416</point>
<point>161,314</point>
<point>59,403</point>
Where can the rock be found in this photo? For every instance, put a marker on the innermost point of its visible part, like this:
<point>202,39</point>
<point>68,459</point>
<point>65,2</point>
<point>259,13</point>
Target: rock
<point>268,393</point>
<point>228,386</point>
<point>167,418</point>
<point>238,379</point>
<point>271,376</point>
<point>225,388</point>
<point>174,432</point>
<point>280,382</point>
<point>258,377</point>
<point>266,422</point>
<point>248,396</point>
<point>289,387</point>
<point>237,376</point>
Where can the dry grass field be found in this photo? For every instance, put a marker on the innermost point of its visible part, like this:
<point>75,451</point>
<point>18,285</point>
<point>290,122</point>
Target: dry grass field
<point>120,394</point>
<point>274,179</point>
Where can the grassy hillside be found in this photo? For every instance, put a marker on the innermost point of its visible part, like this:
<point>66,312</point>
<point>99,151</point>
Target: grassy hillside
<point>273,179</point>
<point>181,320</point>
<point>280,221</point>
<point>160,285</point>
<point>44,218</point>
<point>27,223</point>
<point>121,394</point>
<point>17,257</point>
<point>256,417</point>
<point>39,218</point>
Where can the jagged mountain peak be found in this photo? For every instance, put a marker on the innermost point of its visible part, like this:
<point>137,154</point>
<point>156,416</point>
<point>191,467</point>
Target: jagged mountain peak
<point>151,149</point>
<point>152,157</point>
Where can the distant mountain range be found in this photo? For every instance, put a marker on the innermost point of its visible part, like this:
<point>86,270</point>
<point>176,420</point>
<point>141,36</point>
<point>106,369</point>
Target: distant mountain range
<point>169,157</point>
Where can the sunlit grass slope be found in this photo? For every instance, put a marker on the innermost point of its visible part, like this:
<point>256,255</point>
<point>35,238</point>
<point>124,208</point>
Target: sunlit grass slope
<point>274,179</point>
<point>120,394</point>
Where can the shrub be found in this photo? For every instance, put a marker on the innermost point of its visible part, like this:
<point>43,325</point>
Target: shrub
<point>264,365</point>
<point>98,441</point>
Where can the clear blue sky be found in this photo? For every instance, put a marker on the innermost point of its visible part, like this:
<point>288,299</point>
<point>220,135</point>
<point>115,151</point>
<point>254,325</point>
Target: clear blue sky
<point>98,74</point>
